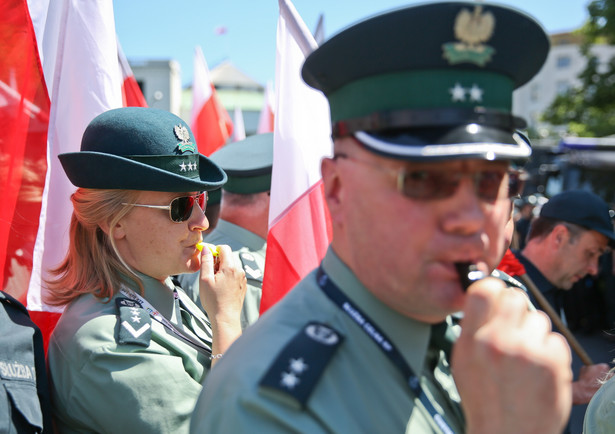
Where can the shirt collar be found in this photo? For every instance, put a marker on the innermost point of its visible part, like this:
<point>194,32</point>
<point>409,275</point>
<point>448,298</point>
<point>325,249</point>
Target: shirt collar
<point>159,294</point>
<point>411,337</point>
<point>534,273</point>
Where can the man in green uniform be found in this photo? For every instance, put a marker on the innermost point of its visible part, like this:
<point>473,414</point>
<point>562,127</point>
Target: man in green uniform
<point>424,165</point>
<point>244,215</point>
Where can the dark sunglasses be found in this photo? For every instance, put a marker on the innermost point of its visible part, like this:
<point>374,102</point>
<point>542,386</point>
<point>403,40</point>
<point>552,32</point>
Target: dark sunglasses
<point>180,208</point>
<point>439,184</point>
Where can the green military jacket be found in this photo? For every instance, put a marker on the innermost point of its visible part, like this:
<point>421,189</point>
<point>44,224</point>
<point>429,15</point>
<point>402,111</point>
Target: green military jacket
<point>274,379</point>
<point>249,249</point>
<point>115,369</point>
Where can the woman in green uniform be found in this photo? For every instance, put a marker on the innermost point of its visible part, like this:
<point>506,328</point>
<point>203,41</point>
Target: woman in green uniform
<point>131,350</point>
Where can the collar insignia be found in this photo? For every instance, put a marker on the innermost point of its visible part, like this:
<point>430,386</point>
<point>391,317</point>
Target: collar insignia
<point>181,132</point>
<point>472,29</point>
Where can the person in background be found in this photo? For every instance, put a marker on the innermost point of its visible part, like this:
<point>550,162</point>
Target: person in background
<point>131,350</point>
<point>25,401</point>
<point>425,161</point>
<point>564,244</point>
<point>244,215</point>
<point>522,225</point>
<point>213,209</point>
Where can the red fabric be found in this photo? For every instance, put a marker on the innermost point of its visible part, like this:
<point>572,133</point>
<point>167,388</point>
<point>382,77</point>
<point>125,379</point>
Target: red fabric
<point>46,321</point>
<point>131,93</point>
<point>295,244</point>
<point>213,125</point>
<point>24,119</point>
<point>511,265</point>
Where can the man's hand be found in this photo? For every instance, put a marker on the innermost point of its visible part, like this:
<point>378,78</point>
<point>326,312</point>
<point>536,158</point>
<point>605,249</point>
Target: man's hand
<point>512,372</point>
<point>590,379</point>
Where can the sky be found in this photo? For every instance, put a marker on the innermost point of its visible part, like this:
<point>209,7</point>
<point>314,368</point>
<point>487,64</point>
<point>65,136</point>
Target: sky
<point>165,30</point>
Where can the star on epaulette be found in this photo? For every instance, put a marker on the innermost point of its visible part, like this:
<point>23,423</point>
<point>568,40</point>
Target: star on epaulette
<point>296,370</point>
<point>135,324</point>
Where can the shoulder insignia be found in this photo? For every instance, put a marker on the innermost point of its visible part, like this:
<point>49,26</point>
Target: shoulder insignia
<point>135,324</point>
<point>508,280</point>
<point>298,367</point>
<point>250,266</point>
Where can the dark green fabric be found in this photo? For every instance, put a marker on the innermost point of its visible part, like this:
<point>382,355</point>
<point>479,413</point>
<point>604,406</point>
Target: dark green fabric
<point>137,148</point>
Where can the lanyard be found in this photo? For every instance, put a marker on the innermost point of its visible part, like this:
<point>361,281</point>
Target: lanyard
<point>200,346</point>
<point>383,342</point>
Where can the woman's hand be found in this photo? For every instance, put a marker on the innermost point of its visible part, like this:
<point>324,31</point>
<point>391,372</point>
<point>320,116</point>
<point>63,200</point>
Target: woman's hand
<point>222,288</point>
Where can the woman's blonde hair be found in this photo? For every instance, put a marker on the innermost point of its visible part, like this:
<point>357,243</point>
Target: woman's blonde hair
<point>93,264</point>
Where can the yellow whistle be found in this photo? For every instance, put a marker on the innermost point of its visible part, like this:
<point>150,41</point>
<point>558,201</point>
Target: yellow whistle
<point>213,249</point>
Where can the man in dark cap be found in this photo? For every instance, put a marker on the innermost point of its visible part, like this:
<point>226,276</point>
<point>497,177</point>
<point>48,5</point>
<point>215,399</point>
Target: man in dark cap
<point>564,245</point>
<point>425,162</point>
<point>244,215</point>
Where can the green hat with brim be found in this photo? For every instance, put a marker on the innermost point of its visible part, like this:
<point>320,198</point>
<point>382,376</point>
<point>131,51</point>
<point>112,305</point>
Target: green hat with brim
<point>248,164</point>
<point>432,81</point>
<point>136,148</point>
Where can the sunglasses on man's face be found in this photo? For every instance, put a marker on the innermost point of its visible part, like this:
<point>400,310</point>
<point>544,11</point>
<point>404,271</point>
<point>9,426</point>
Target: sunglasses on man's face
<point>180,208</point>
<point>432,184</point>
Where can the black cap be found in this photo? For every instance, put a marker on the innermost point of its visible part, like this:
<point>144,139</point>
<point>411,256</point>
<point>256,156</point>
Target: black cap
<point>247,163</point>
<point>432,81</point>
<point>581,208</point>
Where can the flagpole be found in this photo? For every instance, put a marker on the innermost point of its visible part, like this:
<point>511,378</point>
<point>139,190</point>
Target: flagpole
<point>555,319</point>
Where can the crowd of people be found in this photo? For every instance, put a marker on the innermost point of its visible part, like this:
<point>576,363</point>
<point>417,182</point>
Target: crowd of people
<point>386,334</point>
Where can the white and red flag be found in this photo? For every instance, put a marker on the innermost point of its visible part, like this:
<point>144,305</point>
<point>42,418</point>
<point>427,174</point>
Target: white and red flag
<point>299,224</point>
<point>71,53</point>
<point>266,116</point>
<point>132,96</point>
<point>209,120</point>
<point>239,129</point>
<point>24,117</point>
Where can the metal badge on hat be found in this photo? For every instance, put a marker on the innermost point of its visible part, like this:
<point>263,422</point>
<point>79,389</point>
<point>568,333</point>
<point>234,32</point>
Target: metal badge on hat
<point>472,29</point>
<point>182,133</point>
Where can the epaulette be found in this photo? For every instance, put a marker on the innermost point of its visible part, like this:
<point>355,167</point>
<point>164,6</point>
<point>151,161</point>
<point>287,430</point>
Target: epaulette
<point>250,266</point>
<point>135,324</point>
<point>508,280</point>
<point>297,369</point>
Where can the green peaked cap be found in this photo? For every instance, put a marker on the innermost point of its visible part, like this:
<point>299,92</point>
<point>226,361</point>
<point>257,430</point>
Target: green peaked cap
<point>431,81</point>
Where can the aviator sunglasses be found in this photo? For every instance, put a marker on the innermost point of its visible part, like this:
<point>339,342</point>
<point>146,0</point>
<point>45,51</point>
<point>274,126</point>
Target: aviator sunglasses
<point>180,208</point>
<point>439,184</point>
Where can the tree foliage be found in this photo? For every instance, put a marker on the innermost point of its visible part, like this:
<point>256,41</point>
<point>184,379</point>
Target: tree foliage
<point>589,110</point>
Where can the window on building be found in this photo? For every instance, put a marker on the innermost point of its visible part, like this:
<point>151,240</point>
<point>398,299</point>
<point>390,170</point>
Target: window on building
<point>563,61</point>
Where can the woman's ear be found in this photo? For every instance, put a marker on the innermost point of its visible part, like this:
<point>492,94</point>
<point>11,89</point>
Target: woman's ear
<point>118,229</point>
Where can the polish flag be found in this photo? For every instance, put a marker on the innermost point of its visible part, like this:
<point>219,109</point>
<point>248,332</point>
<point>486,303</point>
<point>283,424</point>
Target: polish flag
<point>132,96</point>
<point>76,46</point>
<point>266,117</point>
<point>209,121</point>
<point>239,129</point>
<point>24,116</point>
<point>299,224</point>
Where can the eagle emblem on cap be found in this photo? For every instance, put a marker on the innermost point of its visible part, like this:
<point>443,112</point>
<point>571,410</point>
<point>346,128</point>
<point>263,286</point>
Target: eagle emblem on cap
<point>472,28</point>
<point>182,133</point>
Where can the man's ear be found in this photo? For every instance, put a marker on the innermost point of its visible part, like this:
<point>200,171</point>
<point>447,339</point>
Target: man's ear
<point>332,182</point>
<point>559,235</point>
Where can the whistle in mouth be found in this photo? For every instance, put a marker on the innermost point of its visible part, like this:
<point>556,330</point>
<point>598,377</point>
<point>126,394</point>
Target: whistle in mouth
<point>468,274</point>
<point>213,249</point>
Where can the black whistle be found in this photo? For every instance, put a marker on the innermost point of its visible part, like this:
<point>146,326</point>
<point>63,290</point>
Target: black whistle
<point>468,274</point>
